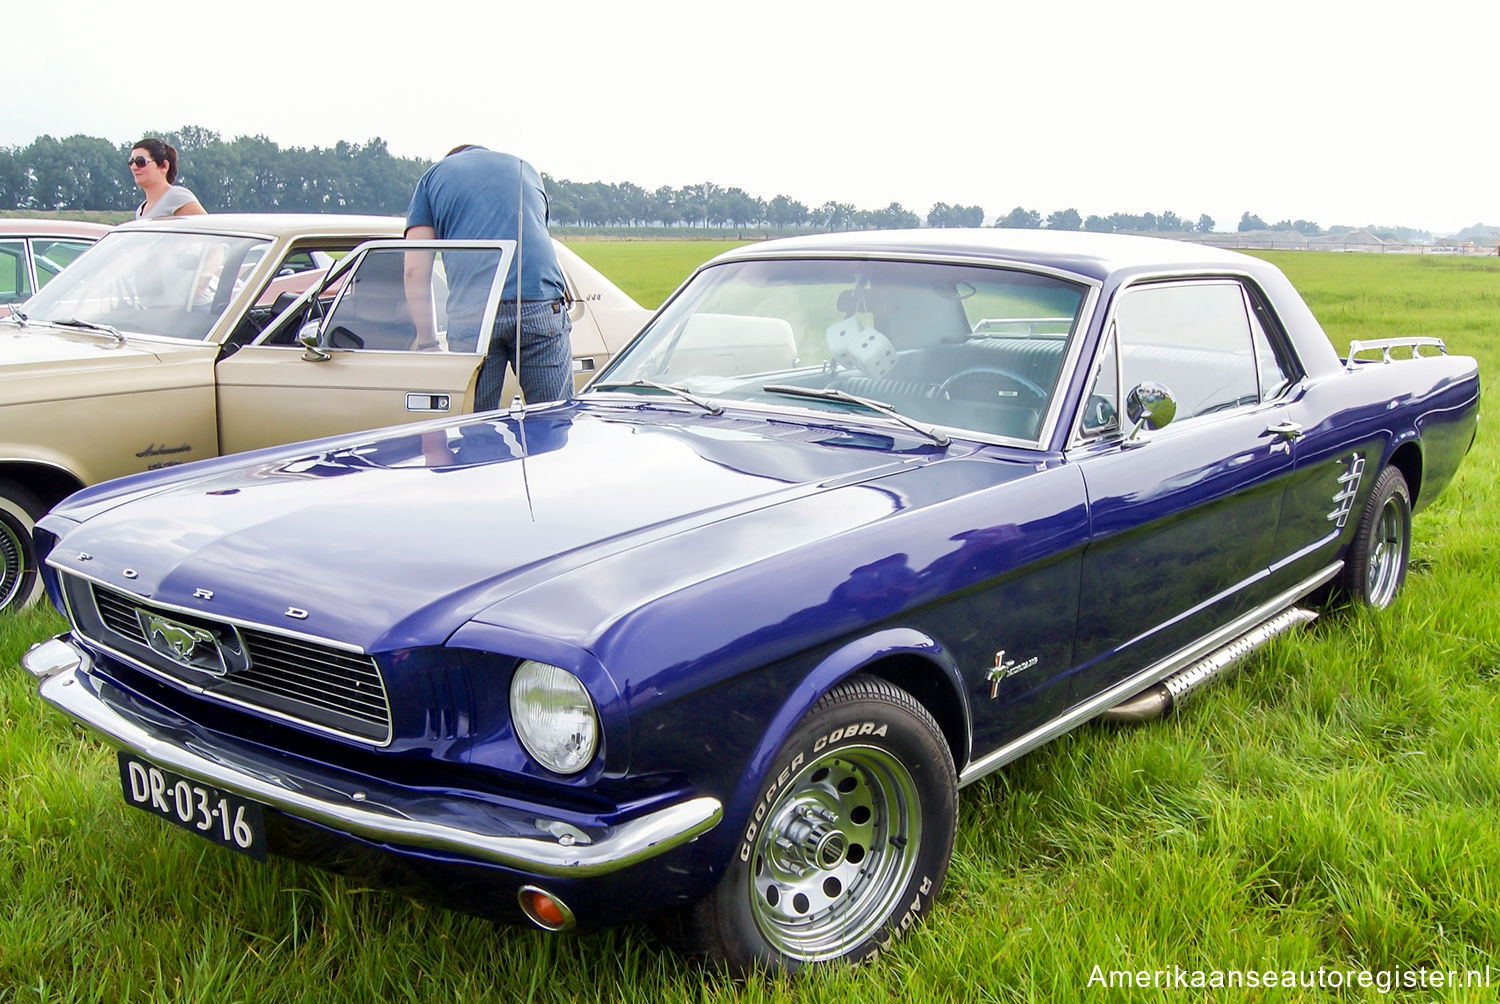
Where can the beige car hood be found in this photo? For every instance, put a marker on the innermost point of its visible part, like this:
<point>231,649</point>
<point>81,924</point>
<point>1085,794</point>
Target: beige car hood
<point>41,350</point>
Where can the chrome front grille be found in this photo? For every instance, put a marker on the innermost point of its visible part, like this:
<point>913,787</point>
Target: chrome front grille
<point>316,675</point>
<point>295,678</point>
<point>118,612</point>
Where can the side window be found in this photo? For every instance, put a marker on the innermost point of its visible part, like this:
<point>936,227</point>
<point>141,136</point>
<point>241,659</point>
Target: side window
<point>372,312</point>
<point>1101,412</point>
<point>53,255</point>
<point>1275,377</point>
<point>1192,337</point>
<point>15,283</point>
<point>301,261</point>
<point>302,267</point>
<point>378,310</point>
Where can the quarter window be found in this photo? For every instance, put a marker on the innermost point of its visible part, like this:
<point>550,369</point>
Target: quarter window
<point>1275,378</point>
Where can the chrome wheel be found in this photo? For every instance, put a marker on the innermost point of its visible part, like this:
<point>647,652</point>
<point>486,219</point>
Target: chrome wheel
<point>1375,564</point>
<point>845,844</point>
<point>838,848</point>
<point>19,511</point>
<point>12,563</point>
<point>1387,553</point>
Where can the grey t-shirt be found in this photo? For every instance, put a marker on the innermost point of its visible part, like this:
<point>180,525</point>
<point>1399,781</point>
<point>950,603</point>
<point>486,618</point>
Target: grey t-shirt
<point>177,196</point>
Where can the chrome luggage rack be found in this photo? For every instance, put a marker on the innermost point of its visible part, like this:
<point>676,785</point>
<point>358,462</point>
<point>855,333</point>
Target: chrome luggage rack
<point>1414,343</point>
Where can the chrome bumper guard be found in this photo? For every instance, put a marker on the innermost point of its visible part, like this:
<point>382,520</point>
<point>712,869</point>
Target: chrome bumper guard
<point>368,810</point>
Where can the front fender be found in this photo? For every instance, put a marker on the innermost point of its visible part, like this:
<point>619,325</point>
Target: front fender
<point>845,661</point>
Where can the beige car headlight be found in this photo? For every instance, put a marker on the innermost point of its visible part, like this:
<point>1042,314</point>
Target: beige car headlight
<point>554,717</point>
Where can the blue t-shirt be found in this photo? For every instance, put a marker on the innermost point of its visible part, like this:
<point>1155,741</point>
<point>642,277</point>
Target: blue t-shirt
<point>472,196</point>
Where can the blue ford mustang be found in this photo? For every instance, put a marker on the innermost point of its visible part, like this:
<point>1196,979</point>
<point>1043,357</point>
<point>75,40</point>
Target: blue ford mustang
<point>853,522</point>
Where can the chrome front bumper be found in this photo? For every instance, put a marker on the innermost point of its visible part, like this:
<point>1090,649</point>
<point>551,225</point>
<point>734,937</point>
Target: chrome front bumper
<point>367,808</point>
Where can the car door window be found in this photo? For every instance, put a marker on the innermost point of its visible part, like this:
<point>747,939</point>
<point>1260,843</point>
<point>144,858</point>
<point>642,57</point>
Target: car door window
<point>1192,337</point>
<point>15,283</point>
<point>1196,338</point>
<point>376,308</point>
<point>52,255</point>
<point>301,268</point>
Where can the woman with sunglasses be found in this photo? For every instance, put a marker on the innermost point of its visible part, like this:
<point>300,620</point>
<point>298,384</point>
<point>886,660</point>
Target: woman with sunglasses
<point>153,165</point>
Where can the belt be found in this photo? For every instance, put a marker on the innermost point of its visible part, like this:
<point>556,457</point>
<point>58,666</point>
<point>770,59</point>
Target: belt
<point>557,305</point>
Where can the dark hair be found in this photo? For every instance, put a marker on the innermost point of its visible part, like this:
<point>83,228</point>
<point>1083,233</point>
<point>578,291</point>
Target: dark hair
<point>165,155</point>
<point>461,148</point>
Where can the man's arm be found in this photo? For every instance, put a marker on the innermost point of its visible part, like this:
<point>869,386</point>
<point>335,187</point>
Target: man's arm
<point>417,277</point>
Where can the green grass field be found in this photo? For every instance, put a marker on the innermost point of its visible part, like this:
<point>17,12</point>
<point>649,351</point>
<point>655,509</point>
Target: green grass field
<point>1332,806</point>
<point>648,270</point>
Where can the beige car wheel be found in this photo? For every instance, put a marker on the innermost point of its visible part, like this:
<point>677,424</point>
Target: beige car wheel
<point>20,584</point>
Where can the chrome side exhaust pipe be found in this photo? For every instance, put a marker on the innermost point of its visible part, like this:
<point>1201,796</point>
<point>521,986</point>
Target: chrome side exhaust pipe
<point>1157,700</point>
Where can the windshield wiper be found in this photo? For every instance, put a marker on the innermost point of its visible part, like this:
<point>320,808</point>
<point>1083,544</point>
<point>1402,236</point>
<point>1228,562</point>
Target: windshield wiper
<point>880,407</point>
<point>682,392</point>
<point>108,329</point>
<point>17,317</point>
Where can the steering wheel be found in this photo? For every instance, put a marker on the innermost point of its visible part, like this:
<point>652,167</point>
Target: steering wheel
<point>1028,394</point>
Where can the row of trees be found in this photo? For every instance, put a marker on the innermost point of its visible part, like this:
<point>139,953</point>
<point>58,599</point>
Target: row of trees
<point>247,174</point>
<point>600,204</point>
<point>254,174</point>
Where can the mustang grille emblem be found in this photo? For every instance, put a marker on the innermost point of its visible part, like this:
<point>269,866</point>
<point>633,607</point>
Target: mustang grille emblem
<point>185,644</point>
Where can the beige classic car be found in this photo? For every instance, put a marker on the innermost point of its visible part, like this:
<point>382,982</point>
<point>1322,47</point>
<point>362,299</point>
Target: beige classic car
<point>184,338</point>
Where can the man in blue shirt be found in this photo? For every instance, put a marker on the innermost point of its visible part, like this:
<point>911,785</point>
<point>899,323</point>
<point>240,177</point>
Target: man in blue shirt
<point>472,194</point>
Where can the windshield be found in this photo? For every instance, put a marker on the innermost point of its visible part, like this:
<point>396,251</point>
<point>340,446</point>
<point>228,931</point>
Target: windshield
<point>171,284</point>
<point>958,346</point>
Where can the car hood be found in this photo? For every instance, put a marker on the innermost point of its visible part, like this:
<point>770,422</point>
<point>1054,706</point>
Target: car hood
<point>398,539</point>
<point>40,350</point>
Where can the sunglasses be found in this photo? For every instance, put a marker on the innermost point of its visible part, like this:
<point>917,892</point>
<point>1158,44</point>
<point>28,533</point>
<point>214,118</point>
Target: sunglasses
<point>137,162</point>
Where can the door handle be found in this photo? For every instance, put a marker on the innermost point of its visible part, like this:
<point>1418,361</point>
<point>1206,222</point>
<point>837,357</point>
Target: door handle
<point>1286,430</point>
<point>428,402</point>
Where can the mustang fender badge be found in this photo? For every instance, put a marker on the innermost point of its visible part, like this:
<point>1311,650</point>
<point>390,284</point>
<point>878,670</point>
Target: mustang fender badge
<point>1005,670</point>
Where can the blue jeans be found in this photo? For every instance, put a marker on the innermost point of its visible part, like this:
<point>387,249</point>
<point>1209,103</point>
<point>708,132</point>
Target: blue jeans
<point>545,369</point>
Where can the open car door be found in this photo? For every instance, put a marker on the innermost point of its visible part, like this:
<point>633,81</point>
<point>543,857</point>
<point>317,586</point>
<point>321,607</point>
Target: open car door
<point>350,353</point>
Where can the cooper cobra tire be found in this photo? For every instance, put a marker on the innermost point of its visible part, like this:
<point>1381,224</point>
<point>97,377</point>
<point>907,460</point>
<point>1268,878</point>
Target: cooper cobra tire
<point>1376,564</point>
<point>19,510</point>
<point>848,843</point>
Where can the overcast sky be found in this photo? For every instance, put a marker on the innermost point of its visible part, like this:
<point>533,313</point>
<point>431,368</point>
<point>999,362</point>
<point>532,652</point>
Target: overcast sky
<point>1372,112</point>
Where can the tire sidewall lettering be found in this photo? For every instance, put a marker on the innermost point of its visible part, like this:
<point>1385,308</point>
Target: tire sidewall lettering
<point>861,716</point>
<point>847,732</point>
<point>840,734</point>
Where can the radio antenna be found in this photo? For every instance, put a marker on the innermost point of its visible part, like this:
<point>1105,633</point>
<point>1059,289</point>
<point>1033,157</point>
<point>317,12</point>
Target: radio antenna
<point>521,387</point>
<point>520,238</point>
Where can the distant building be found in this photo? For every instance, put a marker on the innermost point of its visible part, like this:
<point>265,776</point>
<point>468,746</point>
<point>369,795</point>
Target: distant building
<point>1354,240</point>
<point>1261,240</point>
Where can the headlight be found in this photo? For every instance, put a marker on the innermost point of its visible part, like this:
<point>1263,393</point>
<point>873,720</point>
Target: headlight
<point>554,717</point>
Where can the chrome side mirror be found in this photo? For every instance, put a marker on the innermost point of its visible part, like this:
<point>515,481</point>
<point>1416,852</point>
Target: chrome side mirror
<point>307,335</point>
<point>1150,406</point>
